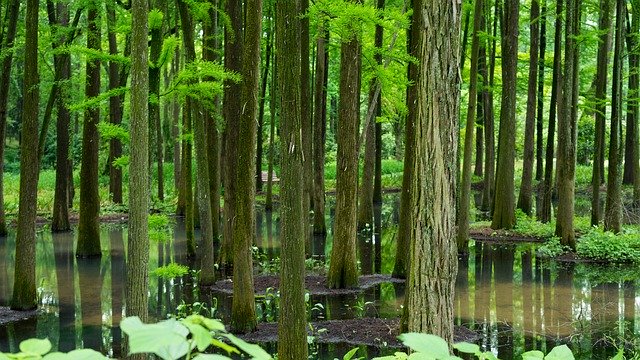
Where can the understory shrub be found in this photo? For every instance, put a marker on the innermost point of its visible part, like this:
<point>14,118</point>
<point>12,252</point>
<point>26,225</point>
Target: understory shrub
<point>606,246</point>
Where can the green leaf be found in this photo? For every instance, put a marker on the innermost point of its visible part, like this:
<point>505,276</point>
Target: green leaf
<point>421,356</point>
<point>388,357</point>
<point>533,355</point>
<point>255,351</point>
<point>619,355</point>
<point>213,325</point>
<point>467,348</point>
<point>350,354</point>
<point>488,355</point>
<point>211,357</point>
<point>167,339</point>
<point>35,346</point>
<point>201,335</point>
<point>80,354</point>
<point>561,352</point>
<point>426,343</point>
<point>224,346</point>
<point>3,356</point>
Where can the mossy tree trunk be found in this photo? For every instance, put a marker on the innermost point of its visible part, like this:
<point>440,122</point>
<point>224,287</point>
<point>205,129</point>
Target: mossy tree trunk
<point>137,277</point>
<point>272,133</point>
<point>434,265</point>
<point>504,200</point>
<point>292,319</point>
<point>263,98</point>
<point>115,108</point>
<point>24,283</point>
<point>526,184</point>
<point>613,205</point>
<point>13,10</point>
<point>567,127</point>
<point>632,134</point>
<point>155,134</point>
<point>377,178</point>
<point>540,98</point>
<point>600,107</point>
<point>243,312</point>
<point>88,224</point>
<point>547,183</point>
<point>306,119</point>
<point>343,270</point>
<point>465,188</point>
<point>320,128</point>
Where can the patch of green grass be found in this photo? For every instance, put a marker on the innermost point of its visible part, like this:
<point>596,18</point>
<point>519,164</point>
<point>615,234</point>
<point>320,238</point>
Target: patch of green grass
<point>170,271</point>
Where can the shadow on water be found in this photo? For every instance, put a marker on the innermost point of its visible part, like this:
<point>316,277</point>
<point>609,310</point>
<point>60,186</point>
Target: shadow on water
<point>504,293</point>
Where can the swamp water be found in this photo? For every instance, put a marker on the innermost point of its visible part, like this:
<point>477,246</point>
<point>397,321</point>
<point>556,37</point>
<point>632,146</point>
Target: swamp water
<point>512,299</point>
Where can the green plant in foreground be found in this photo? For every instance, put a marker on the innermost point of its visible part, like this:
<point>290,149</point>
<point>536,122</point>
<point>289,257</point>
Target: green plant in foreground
<point>40,349</point>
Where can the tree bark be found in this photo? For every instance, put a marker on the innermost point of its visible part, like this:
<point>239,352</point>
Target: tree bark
<point>504,200</point>
<point>320,128</point>
<point>307,125</point>
<point>632,140</point>
<point>434,265</point>
<point>292,323</point>
<point>613,205</point>
<point>526,185</point>
<point>155,135</point>
<point>24,283</point>
<point>489,126</point>
<point>600,107</point>
<point>343,270</point>
<point>88,224</point>
<point>540,97</point>
<point>115,109</point>
<point>377,179</point>
<point>263,98</point>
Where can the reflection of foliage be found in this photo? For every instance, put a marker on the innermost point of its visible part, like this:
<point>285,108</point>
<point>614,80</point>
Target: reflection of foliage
<point>171,271</point>
<point>160,227</point>
<point>599,274</point>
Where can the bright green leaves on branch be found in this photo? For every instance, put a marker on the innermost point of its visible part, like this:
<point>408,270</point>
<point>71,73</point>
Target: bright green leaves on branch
<point>201,80</point>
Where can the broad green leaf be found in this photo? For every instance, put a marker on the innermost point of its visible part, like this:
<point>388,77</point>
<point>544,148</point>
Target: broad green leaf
<point>619,355</point>
<point>452,357</point>
<point>201,336</point>
<point>488,355</point>
<point>167,339</point>
<point>388,357</point>
<point>421,356</point>
<point>467,348</point>
<point>3,356</point>
<point>213,325</point>
<point>79,354</point>
<point>255,351</point>
<point>561,352</point>
<point>350,354</point>
<point>224,346</point>
<point>428,344</point>
<point>211,357</point>
<point>35,346</point>
<point>533,355</point>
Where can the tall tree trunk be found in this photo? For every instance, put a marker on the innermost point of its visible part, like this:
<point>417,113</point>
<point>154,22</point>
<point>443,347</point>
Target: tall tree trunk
<point>489,133</point>
<point>292,339</point>
<point>175,135</point>
<point>307,125</point>
<point>62,63</point>
<point>401,266</point>
<point>465,187</point>
<point>377,179</point>
<point>243,312</point>
<point>600,107</point>
<point>24,283</point>
<point>567,128</point>
<point>613,205</point>
<point>272,133</point>
<point>88,224</point>
<point>13,9</point>
<point>540,110</point>
<point>233,48</point>
<point>465,37</point>
<point>155,135</point>
<point>263,98</point>
<point>547,184</point>
<point>434,265</point>
<point>631,156</point>
<point>479,133</point>
<point>526,186</point>
<point>504,200</point>
<point>343,270</point>
<point>137,277</point>
<point>320,128</point>
<point>115,109</point>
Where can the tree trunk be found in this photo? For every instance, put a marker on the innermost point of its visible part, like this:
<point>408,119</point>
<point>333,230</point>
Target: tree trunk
<point>263,96</point>
<point>155,135</point>
<point>12,14</point>
<point>600,107</point>
<point>526,186</point>
<point>504,200</point>
<point>540,112</point>
<point>320,128</point>
<point>115,109</point>
<point>307,125</point>
<point>377,179</point>
<point>613,205</point>
<point>292,323</point>
<point>365,202</point>
<point>547,184</point>
<point>233,48</point>
<point>465,187</point>
<point>631,156</point>
<point>272,133</point>
<point>138,244</point>
<point>489,133</point>
<point>567,128</point>
<point>175,135</point>
<point>434,265</point>
<point>243,312</point>
<point>88,224</point>
<point>343,270</point>
<point>24,283</point>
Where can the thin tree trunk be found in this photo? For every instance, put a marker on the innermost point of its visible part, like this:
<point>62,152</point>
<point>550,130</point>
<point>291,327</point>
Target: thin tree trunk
<point>272,132</point>
<point>307,124</point>
<point>377,179</point>
<point>465,187</point>
<point>155,135</point>
<point>489,133</point>
<point>263,96</point>
<point>613,205</point>
<point>320,128</point>
<point>600,107</point>
<point>115,109</point>
<point>292,323</point>
<point>175,134</point>
<point>24,283</point>
<point>526,186</point>
<point>540,112</point>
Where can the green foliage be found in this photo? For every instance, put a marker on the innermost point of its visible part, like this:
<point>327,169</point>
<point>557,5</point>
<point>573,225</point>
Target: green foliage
<point>606,246</point>
<point>155,19</point>
<point>170,271</point>
<point>190,337</point>
<point>160,227</point>
<point>169,45</point>
<point>586,134</point>
<point>121,162</point>
<point>110,131</point>
<point>34,349</point>
<point>200,80</point>
<point>552,248</point>
<point>95,101</point>
<point>529,226</point>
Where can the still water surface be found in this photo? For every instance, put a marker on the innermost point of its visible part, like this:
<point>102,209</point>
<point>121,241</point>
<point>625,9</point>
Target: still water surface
<point>514,300</point>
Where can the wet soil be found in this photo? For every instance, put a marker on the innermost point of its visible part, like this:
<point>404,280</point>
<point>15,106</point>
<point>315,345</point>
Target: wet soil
<point>362,331</point>
<point>315,284</point>
<point>10,316</point>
